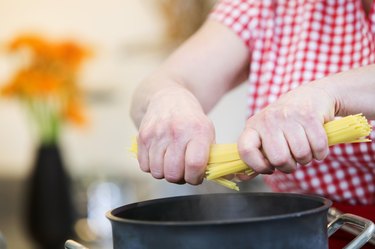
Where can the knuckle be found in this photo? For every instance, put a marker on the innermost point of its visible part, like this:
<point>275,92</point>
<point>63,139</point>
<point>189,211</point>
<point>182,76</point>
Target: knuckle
<point>320,150</point>
<point>174,166</point>
<point>245,151</point>
<point>195,172</point>
<point>309,117</point>
<point>302,111</point>
<point>149,133</point>
<point>144,168</point>
<point>278,160</point>
<point>157,173</point>
<point>270,113</point>
<point>144,135</point>
<point>174,177</point>
<point>177,128</point>
<point>303,156</point>
<point>194,181</point>
<point>196,164</point>
<point>304,160</point>
<point>205,128</point>
<point>262,169</point>
<point>270,116</point>
<point>194,178</point>
<point>287,169</point>
<point>321,146</point>
<point>320,154</point>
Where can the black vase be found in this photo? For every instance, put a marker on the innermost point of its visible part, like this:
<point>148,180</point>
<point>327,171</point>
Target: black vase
<point>50,213</point>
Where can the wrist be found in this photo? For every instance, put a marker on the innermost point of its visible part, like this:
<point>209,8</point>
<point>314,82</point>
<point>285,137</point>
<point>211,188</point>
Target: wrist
<point>352,91</point>
<point>326,100</point>
<point>329,91</point>
<point>151,90</point>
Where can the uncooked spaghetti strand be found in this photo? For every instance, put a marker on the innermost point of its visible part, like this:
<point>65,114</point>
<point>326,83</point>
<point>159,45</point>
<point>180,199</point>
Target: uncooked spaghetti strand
<point>226,169</point>
<point>226,183</point>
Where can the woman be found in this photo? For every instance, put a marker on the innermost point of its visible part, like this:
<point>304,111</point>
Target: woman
<point>305,63</point>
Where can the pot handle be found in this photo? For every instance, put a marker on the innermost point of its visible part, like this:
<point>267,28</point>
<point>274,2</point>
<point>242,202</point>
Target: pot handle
<point>3,244</point>
<point>71,244</point>
<point>357,221</point>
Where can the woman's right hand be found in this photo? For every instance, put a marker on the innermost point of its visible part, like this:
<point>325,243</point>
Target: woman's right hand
<point>175,137</point>
<point>289,131</point>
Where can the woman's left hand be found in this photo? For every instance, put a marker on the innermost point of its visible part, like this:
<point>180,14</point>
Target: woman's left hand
<point>289,131</point>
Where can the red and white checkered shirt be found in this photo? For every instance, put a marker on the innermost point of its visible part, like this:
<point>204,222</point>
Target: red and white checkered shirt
<point>294,42</point>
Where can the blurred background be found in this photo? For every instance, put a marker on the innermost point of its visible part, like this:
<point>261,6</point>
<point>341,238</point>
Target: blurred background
<point>127,39</point>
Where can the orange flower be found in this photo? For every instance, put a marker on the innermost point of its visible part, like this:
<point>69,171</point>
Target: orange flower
<point>33,83</point>
<point>33,42</point>
<point>49,81</point>
<point>74,112</point>
<point>71,54</point>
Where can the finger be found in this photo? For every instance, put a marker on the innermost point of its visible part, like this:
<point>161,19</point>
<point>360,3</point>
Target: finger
<point>196,159</point>
<point>229,177</point>
<point>277,151</point>
<point>156,160</point>
<point>249,146</point>
<point>317,139</point>
<point>245,177</point>
<point>174,162</point>
<point>142,156</point>
<point>298,144</point>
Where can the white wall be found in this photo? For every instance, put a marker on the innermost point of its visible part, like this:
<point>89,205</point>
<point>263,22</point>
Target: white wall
<point>109,27</point>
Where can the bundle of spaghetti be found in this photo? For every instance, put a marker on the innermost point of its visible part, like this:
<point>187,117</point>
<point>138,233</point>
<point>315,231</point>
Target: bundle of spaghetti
<point>224,159</point>
<point>350,129</point>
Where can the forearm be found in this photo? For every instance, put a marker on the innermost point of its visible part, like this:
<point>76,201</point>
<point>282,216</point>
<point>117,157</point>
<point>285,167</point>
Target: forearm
<point>353,91</point>
<point>203,67</point>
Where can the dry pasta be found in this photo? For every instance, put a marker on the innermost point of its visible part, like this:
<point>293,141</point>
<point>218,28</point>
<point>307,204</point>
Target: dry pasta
<point>224,159</point>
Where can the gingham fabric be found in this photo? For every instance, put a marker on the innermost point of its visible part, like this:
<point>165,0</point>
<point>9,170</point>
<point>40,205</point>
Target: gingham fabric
<point>294,42</point>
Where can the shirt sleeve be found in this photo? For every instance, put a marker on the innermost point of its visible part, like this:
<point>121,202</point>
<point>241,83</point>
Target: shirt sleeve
<point>241,16</point>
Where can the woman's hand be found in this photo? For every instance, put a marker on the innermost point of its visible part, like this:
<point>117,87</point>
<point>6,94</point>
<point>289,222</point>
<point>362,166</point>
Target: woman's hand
<point>175,137</point>
<point>289,131</point>
<point>169,107</point>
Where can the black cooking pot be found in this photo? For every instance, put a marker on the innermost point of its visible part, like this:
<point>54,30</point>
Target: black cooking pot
<point>235,220</point>
<point>229,221</point>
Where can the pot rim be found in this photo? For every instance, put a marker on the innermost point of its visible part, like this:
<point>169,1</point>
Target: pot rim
<point>326,204</point>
